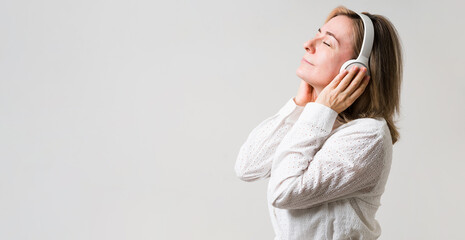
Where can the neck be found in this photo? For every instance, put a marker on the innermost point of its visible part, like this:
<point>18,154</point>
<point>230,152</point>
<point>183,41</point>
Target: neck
<point>315,93</point>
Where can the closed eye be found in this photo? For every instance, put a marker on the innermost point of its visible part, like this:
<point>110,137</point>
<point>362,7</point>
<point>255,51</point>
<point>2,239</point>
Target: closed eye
<point>328,33</point>
<point>319,30</point>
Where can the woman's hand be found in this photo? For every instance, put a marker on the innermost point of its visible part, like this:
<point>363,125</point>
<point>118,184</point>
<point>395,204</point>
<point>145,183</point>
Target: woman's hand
<point>345,88</point>
<point>304,94</point>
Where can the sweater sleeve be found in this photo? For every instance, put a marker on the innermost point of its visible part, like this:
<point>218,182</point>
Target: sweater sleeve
<point>312,167</point>
<point>256,153</point>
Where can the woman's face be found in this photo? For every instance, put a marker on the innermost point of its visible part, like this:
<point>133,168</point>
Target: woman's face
<point>326,52</point>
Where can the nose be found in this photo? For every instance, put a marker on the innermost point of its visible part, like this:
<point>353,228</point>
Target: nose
<point>309,46</point>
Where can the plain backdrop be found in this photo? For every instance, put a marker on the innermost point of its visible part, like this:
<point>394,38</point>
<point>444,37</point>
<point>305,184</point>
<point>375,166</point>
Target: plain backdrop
<point>123,119</point>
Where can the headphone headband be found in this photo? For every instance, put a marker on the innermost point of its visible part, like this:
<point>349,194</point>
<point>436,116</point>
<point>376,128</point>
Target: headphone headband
<point>367,44</point>
<point>368,37</point>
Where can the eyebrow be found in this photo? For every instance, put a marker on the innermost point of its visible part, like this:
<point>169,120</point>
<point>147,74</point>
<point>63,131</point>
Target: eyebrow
<point>330,34</point>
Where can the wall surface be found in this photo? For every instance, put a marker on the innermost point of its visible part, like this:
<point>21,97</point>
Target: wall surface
<point>123,119</point>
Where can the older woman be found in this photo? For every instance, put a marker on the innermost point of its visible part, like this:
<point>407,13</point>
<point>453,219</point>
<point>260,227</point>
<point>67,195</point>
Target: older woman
<point>328,150</point>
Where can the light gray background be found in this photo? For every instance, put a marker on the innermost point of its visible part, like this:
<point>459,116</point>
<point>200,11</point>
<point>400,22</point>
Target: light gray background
<point>123,119</point>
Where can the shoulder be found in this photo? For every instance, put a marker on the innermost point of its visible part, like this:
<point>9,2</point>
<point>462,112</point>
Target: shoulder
<point>372,125</point>
<point>367,140</point>
<point>365,128</point>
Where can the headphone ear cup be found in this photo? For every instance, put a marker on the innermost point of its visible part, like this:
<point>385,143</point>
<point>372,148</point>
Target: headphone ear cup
<point>347,65</point>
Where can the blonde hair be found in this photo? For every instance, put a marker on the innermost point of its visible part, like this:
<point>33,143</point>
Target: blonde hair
<point>381,97</point>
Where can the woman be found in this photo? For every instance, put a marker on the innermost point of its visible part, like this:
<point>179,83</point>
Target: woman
<point>328,150</point>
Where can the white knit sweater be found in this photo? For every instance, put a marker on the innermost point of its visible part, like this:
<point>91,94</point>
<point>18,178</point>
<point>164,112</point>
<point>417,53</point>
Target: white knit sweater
<point>326,178</point>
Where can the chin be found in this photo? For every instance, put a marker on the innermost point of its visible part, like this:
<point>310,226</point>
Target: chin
<point>315,78</point>
<point>304,75</point>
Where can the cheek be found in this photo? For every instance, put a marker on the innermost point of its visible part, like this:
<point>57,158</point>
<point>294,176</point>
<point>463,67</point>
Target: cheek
<point>326,60</point>
<point>329,68</point>
<point>325,78</point>
<point>326,69</point>
<point>332,66</point>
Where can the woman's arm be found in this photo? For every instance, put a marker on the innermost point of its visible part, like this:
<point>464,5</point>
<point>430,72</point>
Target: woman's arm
<point>256,154</point>
<point>310,167</point>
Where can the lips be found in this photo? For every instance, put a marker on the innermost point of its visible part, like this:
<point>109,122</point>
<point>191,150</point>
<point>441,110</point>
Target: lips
<point>304,60</point>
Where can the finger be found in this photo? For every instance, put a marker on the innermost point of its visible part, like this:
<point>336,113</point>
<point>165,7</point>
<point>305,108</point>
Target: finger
<point>355,83</point>
<point>358,92</point>
<point>338,78</point>
<point>346,80</point>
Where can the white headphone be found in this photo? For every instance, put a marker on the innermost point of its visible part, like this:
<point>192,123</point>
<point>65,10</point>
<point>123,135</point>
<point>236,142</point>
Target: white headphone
<point>364,56</point>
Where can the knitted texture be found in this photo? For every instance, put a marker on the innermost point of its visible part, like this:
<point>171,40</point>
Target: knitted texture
<point>325,178</point>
